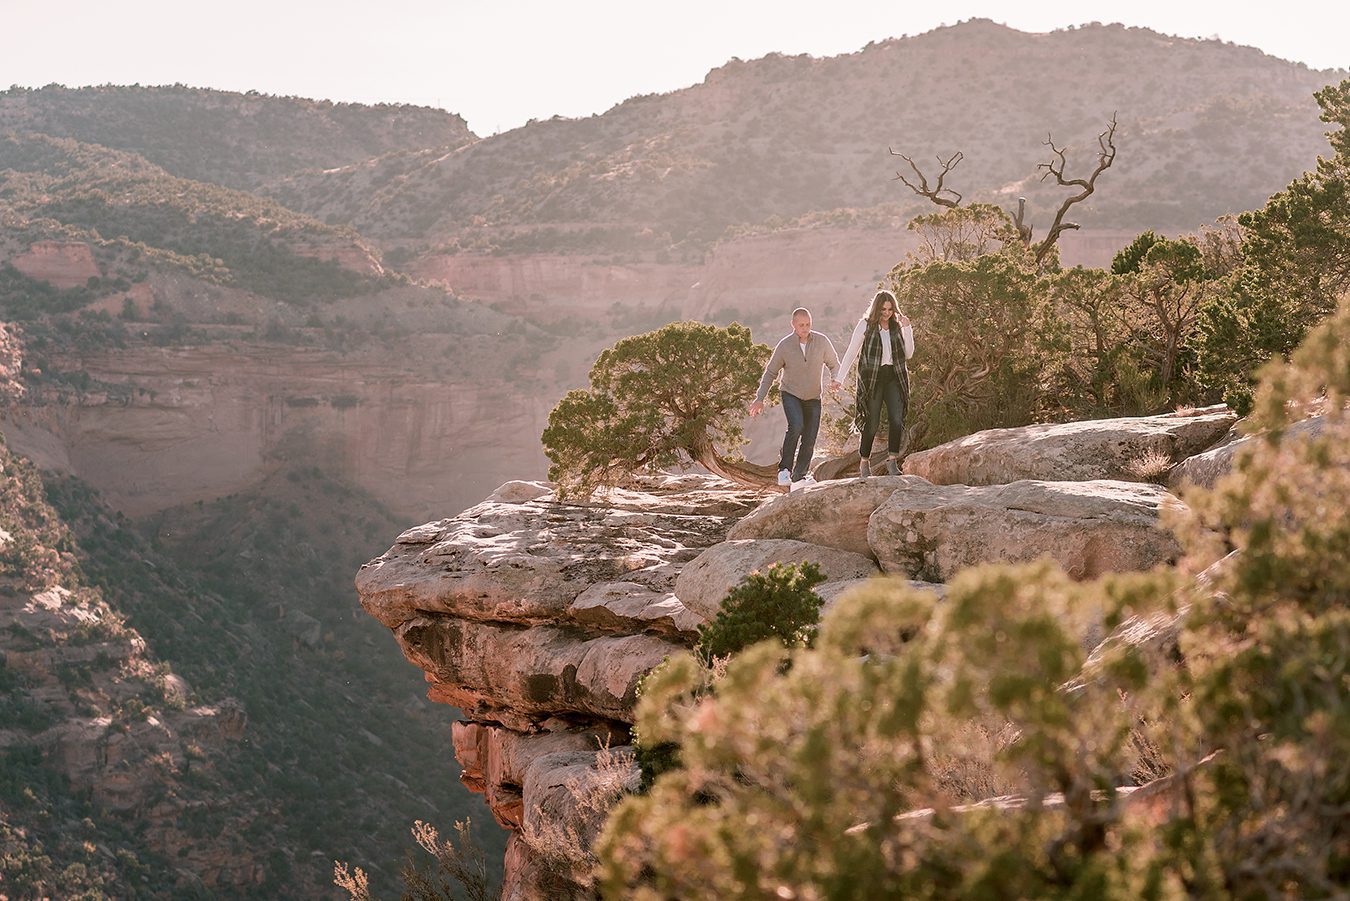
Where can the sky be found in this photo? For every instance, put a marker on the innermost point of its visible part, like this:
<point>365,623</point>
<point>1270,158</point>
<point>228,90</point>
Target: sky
<point>499,63</point>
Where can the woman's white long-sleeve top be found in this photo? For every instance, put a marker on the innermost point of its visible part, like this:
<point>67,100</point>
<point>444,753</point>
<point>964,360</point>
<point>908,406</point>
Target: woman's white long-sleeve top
<point>855,345</point>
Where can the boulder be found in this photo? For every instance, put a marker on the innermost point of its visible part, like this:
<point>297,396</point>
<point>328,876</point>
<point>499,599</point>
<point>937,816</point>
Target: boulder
<point>1089,528</point>
<point>1204,470</point>
<point>830,514</point>
<point>630,607</point>
<point>704,583</point>
<point>518,491</point>
<point>1070,451</point>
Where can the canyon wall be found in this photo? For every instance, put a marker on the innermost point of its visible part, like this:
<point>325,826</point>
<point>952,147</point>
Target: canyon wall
<point>423,426</point>
<point>195,423</point>
<point>827,269</point>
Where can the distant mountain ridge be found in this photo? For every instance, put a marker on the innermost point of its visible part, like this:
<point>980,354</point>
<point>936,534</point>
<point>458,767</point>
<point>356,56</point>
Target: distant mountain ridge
<point>1206,128</point>
<point>227,138</point>
<point>229,236</point>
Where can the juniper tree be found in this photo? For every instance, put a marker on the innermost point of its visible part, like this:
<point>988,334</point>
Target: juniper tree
<point>1296,254</point>
<point>672,396</point>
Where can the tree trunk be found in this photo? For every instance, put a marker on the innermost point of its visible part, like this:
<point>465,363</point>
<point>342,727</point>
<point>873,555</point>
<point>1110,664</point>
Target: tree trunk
<point>751,475</point>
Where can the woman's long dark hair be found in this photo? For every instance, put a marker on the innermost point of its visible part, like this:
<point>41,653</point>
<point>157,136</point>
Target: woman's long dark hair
<point>874,311</point>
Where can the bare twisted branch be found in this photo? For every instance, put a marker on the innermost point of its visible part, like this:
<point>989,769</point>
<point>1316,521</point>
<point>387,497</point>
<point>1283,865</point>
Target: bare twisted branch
<point>935,193</point>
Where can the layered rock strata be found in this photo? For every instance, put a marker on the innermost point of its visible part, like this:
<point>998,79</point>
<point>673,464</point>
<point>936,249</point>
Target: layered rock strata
<point>61,264</point>
<point>537,617</point>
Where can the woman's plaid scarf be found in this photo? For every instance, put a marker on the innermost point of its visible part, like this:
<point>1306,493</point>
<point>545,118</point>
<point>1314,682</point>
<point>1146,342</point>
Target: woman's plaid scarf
<point>869,369</point>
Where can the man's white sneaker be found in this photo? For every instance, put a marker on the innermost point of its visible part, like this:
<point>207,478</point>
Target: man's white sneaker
<point>785,477</point>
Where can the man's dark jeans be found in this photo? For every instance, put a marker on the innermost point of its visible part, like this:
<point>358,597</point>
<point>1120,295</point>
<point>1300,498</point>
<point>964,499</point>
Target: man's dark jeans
<point>803,419</point>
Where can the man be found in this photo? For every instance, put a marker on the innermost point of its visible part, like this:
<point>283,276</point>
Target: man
<point>800,357</point>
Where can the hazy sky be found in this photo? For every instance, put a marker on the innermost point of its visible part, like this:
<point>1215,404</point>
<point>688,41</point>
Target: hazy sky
<point>499,63</point>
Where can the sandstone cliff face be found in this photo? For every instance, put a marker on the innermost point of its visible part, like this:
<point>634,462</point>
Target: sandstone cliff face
<point>830,270</point>
<point>428,428</point>
<point>537,617</point>
<point>176,425</point>
<point>545,284</point>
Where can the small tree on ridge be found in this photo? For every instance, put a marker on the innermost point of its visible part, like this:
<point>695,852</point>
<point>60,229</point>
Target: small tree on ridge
<point>671,396</point>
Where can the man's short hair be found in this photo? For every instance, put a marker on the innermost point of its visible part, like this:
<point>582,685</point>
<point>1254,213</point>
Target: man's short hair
<point>801,311</point>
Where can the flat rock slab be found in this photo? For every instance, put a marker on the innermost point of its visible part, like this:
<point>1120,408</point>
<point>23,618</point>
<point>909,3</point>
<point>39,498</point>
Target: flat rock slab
<point>527,558</point>
<point>1070,451</point>
<point>704,583</point>
<point>1089,528</point>
<point>618,606</point>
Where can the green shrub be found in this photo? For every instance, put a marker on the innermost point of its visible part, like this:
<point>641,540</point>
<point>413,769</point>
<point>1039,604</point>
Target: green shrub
<point>777,604</point>
<point>652,756</point>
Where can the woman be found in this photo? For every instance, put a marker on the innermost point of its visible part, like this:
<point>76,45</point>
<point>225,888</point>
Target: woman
<point>881,342</point>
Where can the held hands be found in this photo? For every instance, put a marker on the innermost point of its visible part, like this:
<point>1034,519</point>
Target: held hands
<point>835,384</point>
<point>756,407</point>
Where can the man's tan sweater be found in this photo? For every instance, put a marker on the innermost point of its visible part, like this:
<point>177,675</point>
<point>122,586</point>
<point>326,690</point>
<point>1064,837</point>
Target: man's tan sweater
<point>801,372</point>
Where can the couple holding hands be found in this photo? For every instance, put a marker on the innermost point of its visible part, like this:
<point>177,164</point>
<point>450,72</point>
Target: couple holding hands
<point>882,341</point>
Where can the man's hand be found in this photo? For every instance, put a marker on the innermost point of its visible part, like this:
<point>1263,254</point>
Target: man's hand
<point>835,384</point>
<point>756,408</point>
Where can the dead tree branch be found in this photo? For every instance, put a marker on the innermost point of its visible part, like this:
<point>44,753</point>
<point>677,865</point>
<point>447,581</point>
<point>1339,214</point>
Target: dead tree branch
<point>935,193</point>
<point>1105,157</point>
<point>1023,227</point>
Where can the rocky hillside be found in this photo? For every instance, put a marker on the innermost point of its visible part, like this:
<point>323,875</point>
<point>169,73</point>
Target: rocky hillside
<point>113,763</point>
<point>219,234</point>
<point>536,618</point>
<point>237,140</point>
<point>194,701</point>
<point>231,426</point>
<point>1206,128</point>
<point>234,393</point>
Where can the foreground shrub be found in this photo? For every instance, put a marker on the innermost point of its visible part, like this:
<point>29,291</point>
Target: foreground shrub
<point>778,605</point>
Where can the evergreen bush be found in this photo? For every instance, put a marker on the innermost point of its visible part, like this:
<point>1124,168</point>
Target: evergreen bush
<point>777,604</point>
